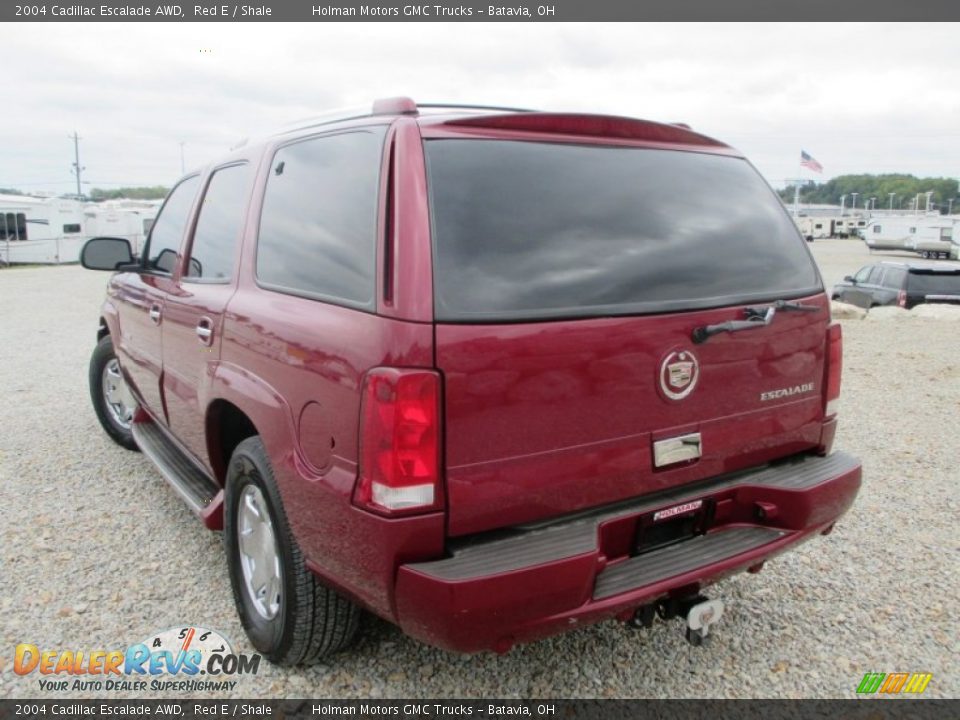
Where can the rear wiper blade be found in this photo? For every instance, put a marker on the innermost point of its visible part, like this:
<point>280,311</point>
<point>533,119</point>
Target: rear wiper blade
<point>754,320</point>
<point>756,317</point>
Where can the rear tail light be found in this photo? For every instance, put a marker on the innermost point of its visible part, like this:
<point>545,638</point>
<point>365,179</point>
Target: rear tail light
<point>399,442</point>
<point>834,364</point>
<point>902,298</point>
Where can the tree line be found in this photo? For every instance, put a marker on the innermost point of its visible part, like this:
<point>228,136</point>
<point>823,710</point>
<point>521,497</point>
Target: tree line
<point>904,187</point>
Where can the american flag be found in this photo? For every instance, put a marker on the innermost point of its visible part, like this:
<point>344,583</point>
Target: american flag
<point>807,161</point>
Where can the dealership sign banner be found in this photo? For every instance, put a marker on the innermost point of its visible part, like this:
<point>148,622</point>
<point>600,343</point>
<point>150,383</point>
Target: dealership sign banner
<point>421,709</point>
<point>477,11</point>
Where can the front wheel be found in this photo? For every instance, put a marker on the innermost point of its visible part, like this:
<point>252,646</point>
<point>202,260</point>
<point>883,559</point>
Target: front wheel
<point>112,400</point>
<point>289,615</point>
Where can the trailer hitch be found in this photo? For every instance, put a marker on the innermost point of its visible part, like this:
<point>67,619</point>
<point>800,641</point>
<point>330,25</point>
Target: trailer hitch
<point>698,611</point>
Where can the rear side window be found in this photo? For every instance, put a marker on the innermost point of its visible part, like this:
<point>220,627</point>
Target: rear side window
<point>875,275</point>
<point>893,278</point>
<point>217,234</point>
<point>934,283</point>
<point>526,230</point>
<point>318,226</point>
<point>167,231</point>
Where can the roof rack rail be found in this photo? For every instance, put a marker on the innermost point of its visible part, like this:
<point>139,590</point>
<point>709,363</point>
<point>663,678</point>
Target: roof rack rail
<point>462,106</point>
<point>382,106</point>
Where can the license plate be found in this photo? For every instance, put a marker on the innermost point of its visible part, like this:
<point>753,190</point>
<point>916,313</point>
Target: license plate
<point>672,525</point>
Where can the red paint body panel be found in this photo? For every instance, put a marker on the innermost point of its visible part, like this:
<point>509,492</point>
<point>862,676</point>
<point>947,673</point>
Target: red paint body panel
<point>547,418</point>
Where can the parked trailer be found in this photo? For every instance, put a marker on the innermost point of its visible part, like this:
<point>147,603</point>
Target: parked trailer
<point>815,227</point>
<point>926,235</point>
<point>52,230</point>
<point>40,230</point>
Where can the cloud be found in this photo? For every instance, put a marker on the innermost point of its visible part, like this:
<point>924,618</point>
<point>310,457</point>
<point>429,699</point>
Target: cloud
<point>864,98</point>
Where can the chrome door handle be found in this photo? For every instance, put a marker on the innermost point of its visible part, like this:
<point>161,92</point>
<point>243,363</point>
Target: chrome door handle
<point>155,314</point>
<point>204,331</point>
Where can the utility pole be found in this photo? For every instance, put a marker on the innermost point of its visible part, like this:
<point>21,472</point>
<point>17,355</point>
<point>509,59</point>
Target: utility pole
<point>854,201</point>
<point>891,200</point>
<point>77,168</point>
<point>843,203</point>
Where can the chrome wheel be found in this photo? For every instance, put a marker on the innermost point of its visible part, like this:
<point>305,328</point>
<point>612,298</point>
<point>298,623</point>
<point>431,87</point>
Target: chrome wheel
<point>259,555</point>
<point>117,395</point>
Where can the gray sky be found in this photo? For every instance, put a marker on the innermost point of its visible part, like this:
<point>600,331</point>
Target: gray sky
<point>865,98</point>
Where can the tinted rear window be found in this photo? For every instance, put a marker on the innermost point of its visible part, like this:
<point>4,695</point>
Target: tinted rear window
<point>934,283</point>
<point>526,230</point>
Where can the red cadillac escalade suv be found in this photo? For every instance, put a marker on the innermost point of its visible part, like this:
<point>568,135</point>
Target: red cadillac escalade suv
<point>487,373</point>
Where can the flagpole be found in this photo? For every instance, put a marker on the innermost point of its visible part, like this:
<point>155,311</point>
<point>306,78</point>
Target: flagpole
<point>796,189</point>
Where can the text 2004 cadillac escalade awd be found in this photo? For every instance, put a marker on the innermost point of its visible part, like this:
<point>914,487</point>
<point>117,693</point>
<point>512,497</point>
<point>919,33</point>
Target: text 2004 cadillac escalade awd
<point>487,374</point>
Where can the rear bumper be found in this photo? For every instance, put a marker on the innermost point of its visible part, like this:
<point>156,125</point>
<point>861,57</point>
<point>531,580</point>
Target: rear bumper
<point>539,581</point>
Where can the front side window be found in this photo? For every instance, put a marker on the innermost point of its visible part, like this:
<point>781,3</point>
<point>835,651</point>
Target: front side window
<point>163,245</point>
<point>862,274</point>
<point>318,226</point>
<point>526,230</point>
<point>875,275</point>
<point>219,223</point>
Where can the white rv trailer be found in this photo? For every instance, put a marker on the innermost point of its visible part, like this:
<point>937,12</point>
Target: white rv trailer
<point>929,235</point>
<point>40,230</point>
<point>53,230</point>
<point>130,219</point>
<point>814,227</point>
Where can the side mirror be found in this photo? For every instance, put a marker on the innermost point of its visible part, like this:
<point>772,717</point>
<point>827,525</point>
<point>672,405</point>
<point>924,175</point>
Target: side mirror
<point>106,253</point>
<point>849,279</point>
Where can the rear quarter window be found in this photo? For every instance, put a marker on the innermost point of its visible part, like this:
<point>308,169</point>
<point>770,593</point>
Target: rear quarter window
<point>318,225</point>
<point>527,230</point>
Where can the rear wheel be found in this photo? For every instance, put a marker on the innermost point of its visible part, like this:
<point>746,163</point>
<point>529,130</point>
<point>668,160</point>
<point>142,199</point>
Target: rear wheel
<point>289,615</point>
<point>112,400</point>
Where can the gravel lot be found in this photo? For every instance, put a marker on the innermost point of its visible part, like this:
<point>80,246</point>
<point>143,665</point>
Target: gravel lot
<point>98,552</point>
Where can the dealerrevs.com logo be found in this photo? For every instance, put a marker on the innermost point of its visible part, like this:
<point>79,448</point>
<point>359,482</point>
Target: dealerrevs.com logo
<point>185,659</point>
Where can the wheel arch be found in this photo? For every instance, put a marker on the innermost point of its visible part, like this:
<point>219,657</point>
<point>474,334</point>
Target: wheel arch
<point>226,427</point>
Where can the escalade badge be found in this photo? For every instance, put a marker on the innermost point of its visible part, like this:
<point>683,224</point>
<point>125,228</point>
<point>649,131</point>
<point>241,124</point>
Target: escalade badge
<point>679,373</point>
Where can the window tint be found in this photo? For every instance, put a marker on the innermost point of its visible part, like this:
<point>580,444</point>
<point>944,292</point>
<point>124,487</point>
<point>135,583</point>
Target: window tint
<point>319,220</point>
<point>167,231</point>
<point>529,230</point>
<point>893,278</point>
<point>934,283</point>
<point>217,233</point>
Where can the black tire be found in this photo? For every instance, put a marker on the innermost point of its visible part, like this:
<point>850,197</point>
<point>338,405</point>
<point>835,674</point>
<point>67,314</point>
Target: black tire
<point>313,620</point>
<point>102,355</point>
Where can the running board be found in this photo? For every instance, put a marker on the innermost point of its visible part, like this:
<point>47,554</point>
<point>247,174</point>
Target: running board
<point>682,557</point>
<point>197,489</point>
